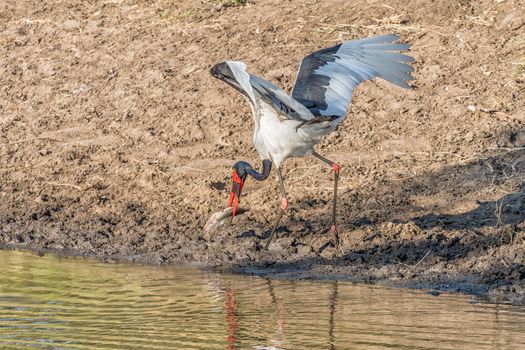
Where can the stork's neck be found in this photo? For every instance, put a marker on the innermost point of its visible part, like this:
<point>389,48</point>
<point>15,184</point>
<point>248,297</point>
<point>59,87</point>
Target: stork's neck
<point>259,176</point>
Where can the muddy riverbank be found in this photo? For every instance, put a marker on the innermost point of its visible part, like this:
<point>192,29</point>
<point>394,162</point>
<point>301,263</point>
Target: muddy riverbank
<point>115,141</point>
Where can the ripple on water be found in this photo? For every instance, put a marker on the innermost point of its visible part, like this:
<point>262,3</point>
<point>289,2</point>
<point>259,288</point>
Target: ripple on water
<point>51,303</point>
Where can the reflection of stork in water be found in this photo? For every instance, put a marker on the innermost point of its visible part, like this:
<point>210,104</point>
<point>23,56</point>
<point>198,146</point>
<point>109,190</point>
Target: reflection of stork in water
<point>331,321</point>
<point>231,318</point>
<point>290,126</point>
<point>332,303</point>
<point>281,319</point>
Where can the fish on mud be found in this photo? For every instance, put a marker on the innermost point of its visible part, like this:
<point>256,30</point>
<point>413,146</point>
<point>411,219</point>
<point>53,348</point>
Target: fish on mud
<point>219,219</point>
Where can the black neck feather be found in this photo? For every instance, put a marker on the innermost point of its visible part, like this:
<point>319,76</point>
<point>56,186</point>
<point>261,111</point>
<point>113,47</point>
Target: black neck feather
<point>245,168</point>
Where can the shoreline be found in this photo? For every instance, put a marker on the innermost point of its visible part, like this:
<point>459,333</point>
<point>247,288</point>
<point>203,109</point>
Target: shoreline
<point>115,140</point>
<point>317,271</point>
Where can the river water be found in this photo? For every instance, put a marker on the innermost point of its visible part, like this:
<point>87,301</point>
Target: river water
<point>52,303</point>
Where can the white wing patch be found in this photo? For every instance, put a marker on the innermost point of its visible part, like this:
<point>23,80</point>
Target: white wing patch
<point>238,69</point>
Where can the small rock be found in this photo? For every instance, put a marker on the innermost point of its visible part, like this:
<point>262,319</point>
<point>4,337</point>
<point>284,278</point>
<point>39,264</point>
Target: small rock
<point>518,138</point>
<point>304,249</point>
<point>434,293</point>
<point>469,137</point>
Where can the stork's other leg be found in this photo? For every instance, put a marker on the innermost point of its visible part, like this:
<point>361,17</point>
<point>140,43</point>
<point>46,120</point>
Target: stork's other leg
<point>284,206</point>
<point>337,168</point>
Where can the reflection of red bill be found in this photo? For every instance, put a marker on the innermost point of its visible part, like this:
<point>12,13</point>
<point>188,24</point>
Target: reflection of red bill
<point>235,193</point>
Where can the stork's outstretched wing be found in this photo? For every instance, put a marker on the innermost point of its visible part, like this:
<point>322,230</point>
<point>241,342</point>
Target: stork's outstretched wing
<point>326,78</point>
<point>260,92</point>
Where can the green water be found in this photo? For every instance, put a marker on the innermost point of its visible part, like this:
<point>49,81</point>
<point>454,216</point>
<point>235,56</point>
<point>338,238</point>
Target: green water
<point>51,303</point>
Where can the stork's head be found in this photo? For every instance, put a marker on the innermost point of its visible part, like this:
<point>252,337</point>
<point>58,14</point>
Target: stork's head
<point>239,175</point>
<point>223,71</point>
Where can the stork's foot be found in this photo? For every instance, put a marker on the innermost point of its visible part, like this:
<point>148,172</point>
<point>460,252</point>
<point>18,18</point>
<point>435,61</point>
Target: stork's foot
<point>335,235</point>
<point>336,168</point>
<point>284,204</point>
<point>334,241</point>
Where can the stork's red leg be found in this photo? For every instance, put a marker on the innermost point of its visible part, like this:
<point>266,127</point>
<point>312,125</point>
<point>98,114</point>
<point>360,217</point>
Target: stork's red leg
<point>284,206</point>
<point>337,168</point>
